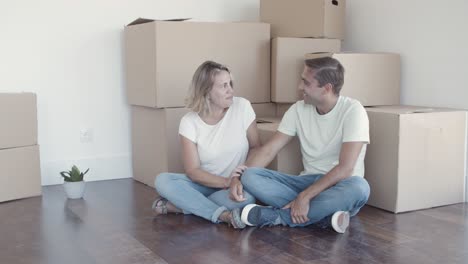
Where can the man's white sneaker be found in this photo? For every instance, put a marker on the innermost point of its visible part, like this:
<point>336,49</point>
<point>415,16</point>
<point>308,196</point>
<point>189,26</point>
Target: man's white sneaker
<point>245,214</point>
<point>340,221</point>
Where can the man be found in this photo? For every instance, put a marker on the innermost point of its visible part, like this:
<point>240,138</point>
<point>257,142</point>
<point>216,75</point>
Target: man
<point>333,131</point>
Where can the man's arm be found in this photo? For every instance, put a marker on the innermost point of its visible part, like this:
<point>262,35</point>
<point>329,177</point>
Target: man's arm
<point>262,156</point>
<point>348,156</point>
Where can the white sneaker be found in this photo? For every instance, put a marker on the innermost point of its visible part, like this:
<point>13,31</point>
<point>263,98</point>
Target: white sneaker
<point>340,221</point>
<point>245,214</point>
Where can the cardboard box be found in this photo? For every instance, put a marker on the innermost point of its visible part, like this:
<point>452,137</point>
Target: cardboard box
<point>416,157</point>
<point>287,64</point>
<point>304,18</point>
<point>20,174</point>
<point>18,118</point>
<point>162,56</point>
<point>155,142</point>
<point>289,159</point>
<point>281,109</point>
<point>264,110</point>
<point>371,78</point>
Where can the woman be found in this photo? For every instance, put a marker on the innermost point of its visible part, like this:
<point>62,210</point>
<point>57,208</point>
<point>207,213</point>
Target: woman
<point>216,137</point>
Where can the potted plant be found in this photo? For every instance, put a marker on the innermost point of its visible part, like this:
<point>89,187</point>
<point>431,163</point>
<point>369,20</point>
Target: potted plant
<point>74,185</point>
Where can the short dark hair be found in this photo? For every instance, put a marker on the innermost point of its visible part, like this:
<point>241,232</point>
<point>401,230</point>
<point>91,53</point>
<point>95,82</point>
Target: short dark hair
<point>327,70</point>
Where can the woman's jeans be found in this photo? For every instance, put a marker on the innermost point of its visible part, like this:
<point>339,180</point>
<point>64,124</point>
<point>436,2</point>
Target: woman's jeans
<point>278,189</point>
<point>197,199</point>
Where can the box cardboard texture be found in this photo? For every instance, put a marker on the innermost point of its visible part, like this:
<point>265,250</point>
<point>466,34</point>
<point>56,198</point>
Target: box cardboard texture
<point>289,159</point>
<point>20,175</point>
<point>264,110</point>
<point>281,109</point>
<point>416,157</point>
<point>18,116</point>
<point>304,18</point>
<point>162,56</point>
<point>287,64</point>
<point>371,78</point>
<point>155,142</point>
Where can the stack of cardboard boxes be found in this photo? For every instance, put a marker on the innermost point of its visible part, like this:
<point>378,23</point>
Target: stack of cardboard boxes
<point>161,57</point>
<point>20,174</point>
<point>416,156</point>
<point>309,29</point>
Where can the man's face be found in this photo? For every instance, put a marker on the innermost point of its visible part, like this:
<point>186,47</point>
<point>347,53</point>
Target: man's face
<point>309,87</point>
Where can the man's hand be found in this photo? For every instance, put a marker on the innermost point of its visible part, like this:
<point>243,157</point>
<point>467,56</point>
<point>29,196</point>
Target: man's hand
<point>236,190</point>
<point>299,209</point>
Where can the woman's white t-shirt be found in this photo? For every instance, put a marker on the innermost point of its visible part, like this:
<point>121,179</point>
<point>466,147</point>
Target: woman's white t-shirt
<point>224,146</point>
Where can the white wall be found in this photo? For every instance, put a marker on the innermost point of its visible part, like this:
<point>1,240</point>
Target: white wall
<point>430,35</point>
<point>70,54</point>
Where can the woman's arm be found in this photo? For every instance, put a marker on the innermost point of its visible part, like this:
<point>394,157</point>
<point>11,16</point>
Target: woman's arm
<point>192,167</point>
<point>253,137</point>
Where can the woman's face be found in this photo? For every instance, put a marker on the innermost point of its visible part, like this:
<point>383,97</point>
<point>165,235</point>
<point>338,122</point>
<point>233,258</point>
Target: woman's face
<point>221,95</point>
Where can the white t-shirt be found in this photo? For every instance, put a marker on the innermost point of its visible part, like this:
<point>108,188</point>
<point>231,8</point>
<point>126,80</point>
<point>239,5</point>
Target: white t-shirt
<point>224,146</point>
<point>321,136</point>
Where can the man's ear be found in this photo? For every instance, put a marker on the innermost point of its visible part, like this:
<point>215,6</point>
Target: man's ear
<point>328,87</point>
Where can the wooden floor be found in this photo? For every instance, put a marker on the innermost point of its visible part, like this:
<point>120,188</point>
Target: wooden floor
<point>114,224</point>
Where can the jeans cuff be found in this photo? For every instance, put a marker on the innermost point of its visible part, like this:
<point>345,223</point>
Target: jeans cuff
<point>217,213</point>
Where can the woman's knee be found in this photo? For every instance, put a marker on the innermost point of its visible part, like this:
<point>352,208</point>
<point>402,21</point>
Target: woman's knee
<point>163,182</point>
<point>249,199</point>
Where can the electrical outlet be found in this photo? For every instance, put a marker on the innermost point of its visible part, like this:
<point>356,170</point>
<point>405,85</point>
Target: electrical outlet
<point>86,135</point>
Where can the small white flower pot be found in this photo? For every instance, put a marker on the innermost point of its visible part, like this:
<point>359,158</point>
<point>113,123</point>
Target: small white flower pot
<point>74,190</point>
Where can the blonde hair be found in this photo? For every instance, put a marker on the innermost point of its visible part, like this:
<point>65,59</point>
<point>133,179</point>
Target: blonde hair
<point>202,83</point>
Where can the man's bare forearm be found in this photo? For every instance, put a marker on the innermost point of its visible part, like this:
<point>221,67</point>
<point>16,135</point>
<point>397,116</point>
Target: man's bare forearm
<point>259,157</point>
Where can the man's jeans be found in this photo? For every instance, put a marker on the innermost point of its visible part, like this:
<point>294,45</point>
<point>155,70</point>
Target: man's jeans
<point>197,199</point>
<point>278,189</point>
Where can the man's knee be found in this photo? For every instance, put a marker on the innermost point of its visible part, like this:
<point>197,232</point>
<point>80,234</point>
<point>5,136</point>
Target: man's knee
<point>250,175</point>
<point>360,188</point>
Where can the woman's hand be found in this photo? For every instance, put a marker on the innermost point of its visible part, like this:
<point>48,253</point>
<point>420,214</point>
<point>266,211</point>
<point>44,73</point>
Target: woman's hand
<point>236,190</point>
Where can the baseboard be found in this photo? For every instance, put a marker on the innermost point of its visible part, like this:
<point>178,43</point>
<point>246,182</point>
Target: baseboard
<point>101,168</point>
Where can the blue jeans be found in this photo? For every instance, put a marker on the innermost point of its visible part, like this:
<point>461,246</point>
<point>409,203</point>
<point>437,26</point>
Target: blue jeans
<point>197,199</point>
<point>278,189</point>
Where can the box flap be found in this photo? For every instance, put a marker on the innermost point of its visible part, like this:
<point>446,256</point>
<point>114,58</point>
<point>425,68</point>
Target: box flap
<point>316,55</point>
<point>408,109</point>
<point>141,20</point>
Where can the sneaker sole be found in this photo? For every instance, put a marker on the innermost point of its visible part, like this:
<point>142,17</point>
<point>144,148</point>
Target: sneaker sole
<point>245,214</point>
<point>336,226</point>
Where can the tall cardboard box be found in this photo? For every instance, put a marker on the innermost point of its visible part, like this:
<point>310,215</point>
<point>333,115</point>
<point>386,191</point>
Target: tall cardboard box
<point>18,119</point>
<point>287,63</point>
<point>371,78</point>
<point>20,173</point>
<point>155,142</point>
<point>264,109</point>
<point>162,56</point>
<point>281,109</point>
<point>416,157</point>
<point>304,18</point>
<point>289,159</point>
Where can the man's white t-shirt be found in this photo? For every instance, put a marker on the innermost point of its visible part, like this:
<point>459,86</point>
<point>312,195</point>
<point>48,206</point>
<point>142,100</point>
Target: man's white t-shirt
<point>321,136</point>
<point>224,146</point>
